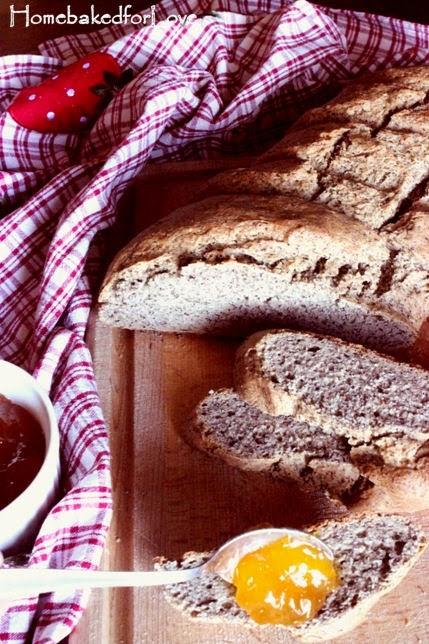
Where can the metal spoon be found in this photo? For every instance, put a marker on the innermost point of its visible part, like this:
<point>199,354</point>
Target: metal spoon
<point>27,582</point>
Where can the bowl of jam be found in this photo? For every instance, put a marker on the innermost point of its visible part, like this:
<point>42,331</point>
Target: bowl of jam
<point>29,457</point>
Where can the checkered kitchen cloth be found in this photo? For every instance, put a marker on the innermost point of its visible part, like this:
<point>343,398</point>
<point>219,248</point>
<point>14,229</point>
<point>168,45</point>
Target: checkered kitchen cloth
<point>226,82</point>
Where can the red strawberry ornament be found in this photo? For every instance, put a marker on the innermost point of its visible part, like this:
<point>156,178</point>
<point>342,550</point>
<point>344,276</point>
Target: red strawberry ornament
<point>70,100</point>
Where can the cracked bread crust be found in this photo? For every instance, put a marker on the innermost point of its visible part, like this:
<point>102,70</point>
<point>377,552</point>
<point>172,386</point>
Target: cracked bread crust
<point>213,265</point>
<point>275,177</point>
<point>232,221</point>
<point>312,144</point>
<point>413,77</point>
<point>367,149</point>
<point>370,103</point>
<point>374,554</point>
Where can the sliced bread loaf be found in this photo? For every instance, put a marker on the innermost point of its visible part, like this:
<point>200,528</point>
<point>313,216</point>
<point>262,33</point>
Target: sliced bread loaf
<point>237,263</point>
<point>373,554</point>
<point>226,426</point>
<point>379,404</point>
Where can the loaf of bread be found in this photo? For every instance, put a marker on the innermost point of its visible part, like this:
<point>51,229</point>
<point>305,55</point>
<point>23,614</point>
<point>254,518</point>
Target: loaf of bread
<point>328,232</point>
<point>226,426</point>
<point>233,264</point>
<point>364,154</point>
<point>373,554</point>
<point>379,404</point>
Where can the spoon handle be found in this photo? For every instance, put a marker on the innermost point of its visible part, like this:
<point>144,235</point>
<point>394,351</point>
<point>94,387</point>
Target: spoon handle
<point>27,582</point>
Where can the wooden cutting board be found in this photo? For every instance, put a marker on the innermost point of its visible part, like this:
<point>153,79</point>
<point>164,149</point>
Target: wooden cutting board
<point>170,498</point>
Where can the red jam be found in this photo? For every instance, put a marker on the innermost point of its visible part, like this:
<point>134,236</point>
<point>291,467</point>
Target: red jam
<point>22,450</point>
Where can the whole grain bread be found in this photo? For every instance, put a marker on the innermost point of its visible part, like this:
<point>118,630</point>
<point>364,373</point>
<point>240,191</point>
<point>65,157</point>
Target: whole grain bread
<point>364,154</point>
<point>226,426</point>
<point>231,264</point>
<point>379,404</point>
<point>265,251</point>
<point>373,554</point>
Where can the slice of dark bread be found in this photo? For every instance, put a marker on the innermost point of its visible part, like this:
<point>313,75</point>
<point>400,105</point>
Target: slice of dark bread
<point>225,425</point>
<point>379,404</point>
<point>373,554</point>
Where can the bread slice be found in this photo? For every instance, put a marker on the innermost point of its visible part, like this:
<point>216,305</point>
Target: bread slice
<point>379,404</point>
<point>226,426</point>
<point>233,264</point>
<point>373,554</point>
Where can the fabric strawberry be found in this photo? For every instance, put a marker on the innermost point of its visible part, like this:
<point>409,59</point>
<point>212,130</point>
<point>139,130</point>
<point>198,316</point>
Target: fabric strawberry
<point>70,100</point>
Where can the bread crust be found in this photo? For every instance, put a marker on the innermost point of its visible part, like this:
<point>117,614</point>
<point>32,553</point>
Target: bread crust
<point>234,220</point>
<point>366,150</point>
<point>281,235</point>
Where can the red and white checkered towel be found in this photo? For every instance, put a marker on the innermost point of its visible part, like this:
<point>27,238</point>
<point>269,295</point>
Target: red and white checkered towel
<point>226,82</point>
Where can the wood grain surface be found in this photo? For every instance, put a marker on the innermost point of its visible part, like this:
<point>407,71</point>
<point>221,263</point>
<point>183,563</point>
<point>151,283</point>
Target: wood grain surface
<point>170,498</point>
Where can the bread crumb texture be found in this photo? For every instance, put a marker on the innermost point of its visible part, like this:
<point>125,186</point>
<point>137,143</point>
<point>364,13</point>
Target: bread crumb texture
<point>227,426</point>
<point>379,404</point>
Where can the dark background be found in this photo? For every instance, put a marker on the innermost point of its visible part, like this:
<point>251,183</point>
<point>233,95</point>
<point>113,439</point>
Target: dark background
<point>25,40</point>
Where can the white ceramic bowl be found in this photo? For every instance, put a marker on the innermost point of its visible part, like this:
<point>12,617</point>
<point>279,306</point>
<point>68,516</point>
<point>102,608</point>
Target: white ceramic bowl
<point>20,520</point>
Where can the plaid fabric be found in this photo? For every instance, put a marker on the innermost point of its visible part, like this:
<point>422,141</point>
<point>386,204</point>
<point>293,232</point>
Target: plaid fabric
<point>222,84</point>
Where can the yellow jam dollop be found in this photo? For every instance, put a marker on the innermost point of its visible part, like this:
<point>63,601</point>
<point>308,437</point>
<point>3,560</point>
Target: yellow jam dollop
<point>284,582</point>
